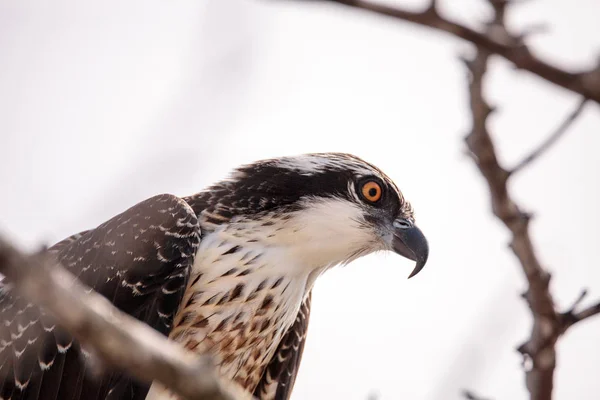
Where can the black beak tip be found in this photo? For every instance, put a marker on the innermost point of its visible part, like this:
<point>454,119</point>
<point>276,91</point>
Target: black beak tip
<point>412,244</point>
<point>417,269</point>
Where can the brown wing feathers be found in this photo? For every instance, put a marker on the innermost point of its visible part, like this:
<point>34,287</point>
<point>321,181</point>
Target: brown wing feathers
<point>140,260</point>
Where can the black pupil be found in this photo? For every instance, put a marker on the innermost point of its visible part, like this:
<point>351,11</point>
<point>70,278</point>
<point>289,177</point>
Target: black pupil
<point>372,192</point>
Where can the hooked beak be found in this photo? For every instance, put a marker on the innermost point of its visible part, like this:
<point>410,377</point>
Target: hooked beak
<point>409,241</point>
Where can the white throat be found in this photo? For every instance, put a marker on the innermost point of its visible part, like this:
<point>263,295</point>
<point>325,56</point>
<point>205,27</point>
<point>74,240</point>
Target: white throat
<point>325,233</point>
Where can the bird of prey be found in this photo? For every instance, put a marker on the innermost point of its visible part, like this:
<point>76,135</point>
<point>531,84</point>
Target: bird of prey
<point>227,271</point>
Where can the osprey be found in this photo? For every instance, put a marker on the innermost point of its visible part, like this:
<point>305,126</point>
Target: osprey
<point>227,271</point>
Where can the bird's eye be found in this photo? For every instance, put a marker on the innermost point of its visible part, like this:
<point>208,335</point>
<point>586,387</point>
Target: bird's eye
<point>371,191</point>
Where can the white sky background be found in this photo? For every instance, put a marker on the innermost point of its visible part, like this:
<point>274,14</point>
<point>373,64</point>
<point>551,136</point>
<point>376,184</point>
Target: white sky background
<point>104,104</point>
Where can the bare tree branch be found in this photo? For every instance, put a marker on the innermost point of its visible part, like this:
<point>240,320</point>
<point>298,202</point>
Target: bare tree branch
<point>510,47</point>
<point>552,139</point>
<point>548,324</point>
<point>116,338</point>
<point>540,377</point>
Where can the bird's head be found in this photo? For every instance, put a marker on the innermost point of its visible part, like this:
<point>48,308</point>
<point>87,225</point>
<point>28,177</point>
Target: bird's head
<point>328,208</point>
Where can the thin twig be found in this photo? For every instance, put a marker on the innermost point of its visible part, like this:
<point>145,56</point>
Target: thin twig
<point>572,316</point>
<point>552,139</point>
<point>433,4</point>
<point>117,339</point>
<point>578,301</point>
<point>512,48</point>
<point>586,313</point>
<point>472,396</point>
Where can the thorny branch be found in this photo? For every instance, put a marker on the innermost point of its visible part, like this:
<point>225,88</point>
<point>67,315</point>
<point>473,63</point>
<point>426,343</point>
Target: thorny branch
<point>496,41</point>
<point>115,338</point>
<point>548,324</point>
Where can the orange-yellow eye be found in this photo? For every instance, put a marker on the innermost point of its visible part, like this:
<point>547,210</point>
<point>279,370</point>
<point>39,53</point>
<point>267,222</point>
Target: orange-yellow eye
<point>371,191</point>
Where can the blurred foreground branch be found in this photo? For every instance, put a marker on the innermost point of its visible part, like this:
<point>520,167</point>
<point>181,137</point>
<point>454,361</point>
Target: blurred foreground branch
<point>548,324</point>
<point>497,41</point>
<point>115,338</point>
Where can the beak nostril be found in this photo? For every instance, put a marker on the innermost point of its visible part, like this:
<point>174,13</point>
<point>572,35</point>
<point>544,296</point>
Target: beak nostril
<point>402,224</point>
